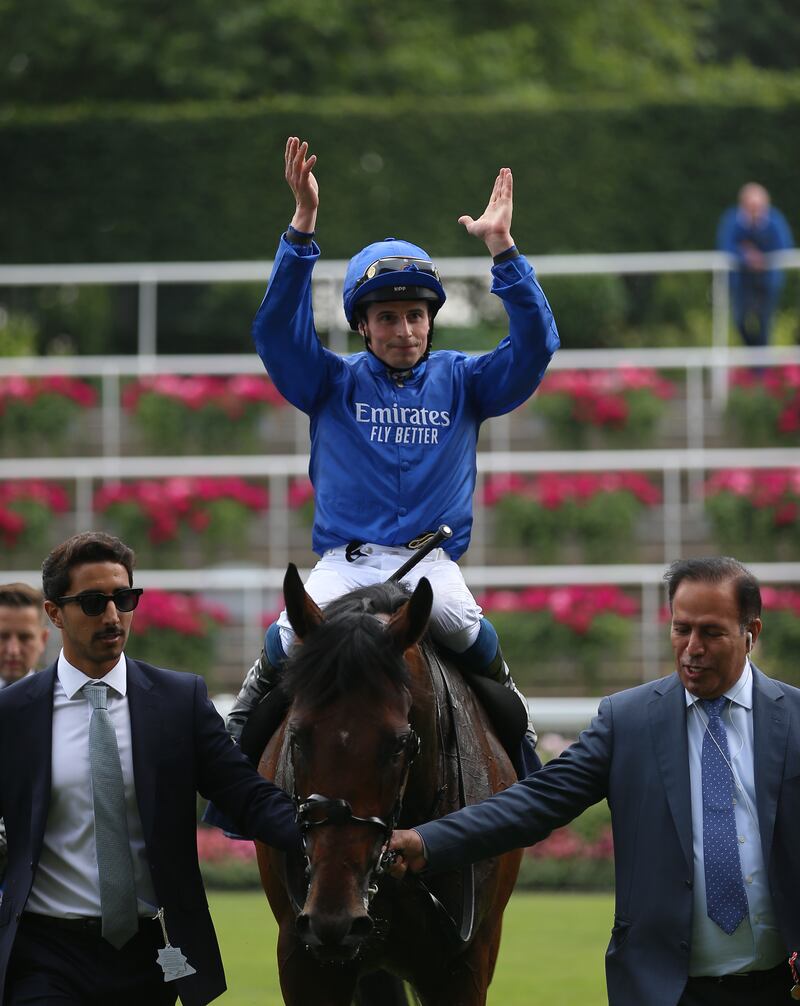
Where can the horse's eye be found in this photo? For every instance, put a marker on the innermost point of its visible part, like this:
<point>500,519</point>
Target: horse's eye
<point>400,745</point>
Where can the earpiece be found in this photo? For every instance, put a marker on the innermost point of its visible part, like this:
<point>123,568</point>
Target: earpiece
<point>749,641</point>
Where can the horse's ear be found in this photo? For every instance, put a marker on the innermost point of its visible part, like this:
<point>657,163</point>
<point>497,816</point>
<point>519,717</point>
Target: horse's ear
<point>407,625</point>
<point>304,615</point>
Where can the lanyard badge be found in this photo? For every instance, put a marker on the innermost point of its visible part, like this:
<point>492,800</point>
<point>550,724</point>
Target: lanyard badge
<point>172,962</point>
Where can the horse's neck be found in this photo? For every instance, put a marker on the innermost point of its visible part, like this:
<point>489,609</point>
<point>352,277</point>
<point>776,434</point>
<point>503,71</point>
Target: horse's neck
<point>278,756</point>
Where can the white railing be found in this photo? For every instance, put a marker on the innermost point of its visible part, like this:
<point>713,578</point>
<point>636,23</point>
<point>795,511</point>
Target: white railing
<point>328,276</point>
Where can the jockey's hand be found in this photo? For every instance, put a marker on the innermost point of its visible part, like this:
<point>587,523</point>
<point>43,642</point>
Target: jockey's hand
<point>494,225</point>
<point>410,851</point>
<point>301,181</point>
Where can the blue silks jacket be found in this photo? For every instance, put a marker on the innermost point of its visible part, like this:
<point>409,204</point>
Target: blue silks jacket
<point>393,458</point>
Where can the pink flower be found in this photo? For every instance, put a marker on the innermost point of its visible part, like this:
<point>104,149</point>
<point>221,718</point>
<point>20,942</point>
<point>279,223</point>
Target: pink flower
<point>185,614</point>
<point>29,389</point>
<point>170,503</point>
<point>300,492</point>
<point>214,847</point>
<point>575,607</point>
<point>230,394</point>
<point>553,489</point>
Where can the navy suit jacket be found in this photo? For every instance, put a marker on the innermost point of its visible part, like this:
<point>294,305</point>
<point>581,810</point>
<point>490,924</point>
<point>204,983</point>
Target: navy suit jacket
<point>180,747</point>
<point>635,754</point>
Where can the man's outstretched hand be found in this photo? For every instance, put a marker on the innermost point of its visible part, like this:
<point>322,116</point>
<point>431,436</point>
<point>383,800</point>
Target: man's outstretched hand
<point>494,225</point>
<point>410,852</point>
<point>301,181</point>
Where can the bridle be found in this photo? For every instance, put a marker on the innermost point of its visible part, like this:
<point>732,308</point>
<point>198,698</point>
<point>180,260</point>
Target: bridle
<point>316,811</point>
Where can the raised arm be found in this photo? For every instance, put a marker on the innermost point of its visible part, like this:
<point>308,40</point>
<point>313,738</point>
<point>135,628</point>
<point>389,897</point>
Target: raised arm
<point>300,179</point>
<point>505,378</point>
<point>283,329</point>
<point>493,226</point>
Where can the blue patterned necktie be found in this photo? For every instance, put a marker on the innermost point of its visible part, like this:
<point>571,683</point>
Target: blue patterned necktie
<point>726,900</point>
<point>118,906</point>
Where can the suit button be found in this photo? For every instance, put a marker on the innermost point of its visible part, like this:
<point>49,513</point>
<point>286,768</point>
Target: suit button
<point>689,884</point>
<point>17,916</point>
<point>683,945</point>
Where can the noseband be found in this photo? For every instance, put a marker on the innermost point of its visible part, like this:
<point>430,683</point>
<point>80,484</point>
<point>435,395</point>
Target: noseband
<point>316,811</point>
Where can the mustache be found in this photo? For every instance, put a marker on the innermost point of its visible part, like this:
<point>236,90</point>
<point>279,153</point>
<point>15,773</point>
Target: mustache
<point>108,634</point>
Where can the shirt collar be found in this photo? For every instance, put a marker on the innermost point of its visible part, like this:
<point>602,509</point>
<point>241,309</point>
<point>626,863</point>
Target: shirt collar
<point>72,680</point>
<point>740,692</point>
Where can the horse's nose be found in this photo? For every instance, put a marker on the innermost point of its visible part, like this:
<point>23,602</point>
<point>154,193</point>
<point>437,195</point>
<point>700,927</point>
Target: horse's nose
<point>333,934</point>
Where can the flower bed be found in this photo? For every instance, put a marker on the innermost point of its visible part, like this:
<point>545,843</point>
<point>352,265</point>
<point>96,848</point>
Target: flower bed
<point>764,405</point>
<point>214,512</point>
<point>578,628</point>
<point>301,500</point>
<point>176,631</point>
<point>202,413</point>
<point>36,413</point>
<point>755,513</point>
<point>226,864</point>
<point>578,856</point>
<point>27,511</point>
<point>620,407</point>
<point>544,512</point>
<point>780,640</point>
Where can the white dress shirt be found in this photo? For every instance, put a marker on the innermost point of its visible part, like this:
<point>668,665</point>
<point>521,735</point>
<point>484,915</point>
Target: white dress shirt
<point>756,944</point>
<point>66,882</point>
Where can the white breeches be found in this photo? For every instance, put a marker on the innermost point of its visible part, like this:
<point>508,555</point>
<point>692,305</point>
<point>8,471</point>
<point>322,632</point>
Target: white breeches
<point>455,617</point>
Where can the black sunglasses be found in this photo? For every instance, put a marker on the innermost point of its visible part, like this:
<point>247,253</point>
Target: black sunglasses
<point>384,265</point>
<point>95,603</point>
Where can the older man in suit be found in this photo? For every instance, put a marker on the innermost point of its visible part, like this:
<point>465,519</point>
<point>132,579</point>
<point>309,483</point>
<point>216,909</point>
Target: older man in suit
<point>101,758</point>
<point>701,771</point>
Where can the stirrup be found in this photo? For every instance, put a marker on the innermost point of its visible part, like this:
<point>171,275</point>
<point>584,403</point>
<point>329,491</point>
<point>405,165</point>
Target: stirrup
<point>530,732</point>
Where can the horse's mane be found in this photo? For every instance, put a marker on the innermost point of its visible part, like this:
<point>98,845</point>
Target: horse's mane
<point>349,650</point>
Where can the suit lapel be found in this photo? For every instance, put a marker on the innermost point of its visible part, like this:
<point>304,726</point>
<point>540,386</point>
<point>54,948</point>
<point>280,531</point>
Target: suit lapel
<point>667,713</point>
<point>770,736</point>
<point>35,746</point>
<point>145,733</point>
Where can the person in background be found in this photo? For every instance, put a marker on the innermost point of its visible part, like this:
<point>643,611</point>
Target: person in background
<point>23,633</point>
<point>750,232</point>
<point>23,638</point>
<point>701,771</point>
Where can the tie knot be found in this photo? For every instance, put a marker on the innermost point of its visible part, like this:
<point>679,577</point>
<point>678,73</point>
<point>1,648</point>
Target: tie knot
<point>97,695</point>
<point>713,707</point>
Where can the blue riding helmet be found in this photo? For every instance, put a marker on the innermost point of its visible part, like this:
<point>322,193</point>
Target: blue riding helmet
<point>390,270</point>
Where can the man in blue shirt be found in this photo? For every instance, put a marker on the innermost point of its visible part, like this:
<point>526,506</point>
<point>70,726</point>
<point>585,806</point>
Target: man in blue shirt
<point>394,428</point>
<point>750,232</point>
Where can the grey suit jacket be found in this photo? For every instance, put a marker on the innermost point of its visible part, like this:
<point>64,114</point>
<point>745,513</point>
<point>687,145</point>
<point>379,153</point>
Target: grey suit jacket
<point>635,755</point>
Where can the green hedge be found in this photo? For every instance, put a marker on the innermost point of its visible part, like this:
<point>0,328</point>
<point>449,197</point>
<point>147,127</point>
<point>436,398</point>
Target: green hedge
<point>206,181</point>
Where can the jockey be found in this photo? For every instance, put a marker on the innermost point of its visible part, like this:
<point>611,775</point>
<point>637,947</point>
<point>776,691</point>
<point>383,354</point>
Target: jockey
<point>394,428</point>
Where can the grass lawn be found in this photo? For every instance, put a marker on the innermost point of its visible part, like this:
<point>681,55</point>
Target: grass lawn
<point>552,950</point>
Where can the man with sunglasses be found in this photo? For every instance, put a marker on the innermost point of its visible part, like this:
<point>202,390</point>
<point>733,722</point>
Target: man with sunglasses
<point>101,759</point>
<point>394,428</point>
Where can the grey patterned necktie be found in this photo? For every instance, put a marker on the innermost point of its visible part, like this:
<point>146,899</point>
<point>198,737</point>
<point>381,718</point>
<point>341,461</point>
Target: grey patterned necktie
<point>120,920</point>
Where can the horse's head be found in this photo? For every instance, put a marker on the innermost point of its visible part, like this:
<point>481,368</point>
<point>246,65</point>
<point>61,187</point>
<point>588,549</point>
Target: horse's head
<point>351,746</point>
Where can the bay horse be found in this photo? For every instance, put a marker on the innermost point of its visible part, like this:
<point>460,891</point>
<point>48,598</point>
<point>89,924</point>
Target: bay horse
<point>379,734</point>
